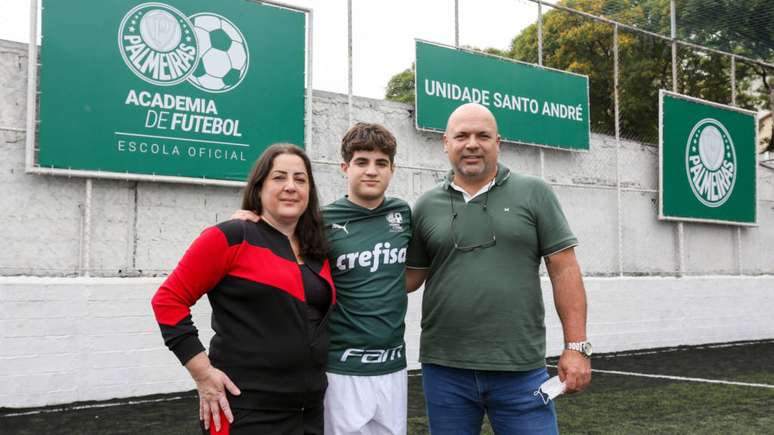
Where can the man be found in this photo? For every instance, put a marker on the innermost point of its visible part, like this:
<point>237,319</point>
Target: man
<point>369,235</point>
<point>478,241</point>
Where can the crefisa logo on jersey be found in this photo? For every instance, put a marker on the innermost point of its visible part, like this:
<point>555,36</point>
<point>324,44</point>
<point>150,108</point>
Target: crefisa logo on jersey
<point>710,162</point>
<point>162,46</point>
<point>395,221</point>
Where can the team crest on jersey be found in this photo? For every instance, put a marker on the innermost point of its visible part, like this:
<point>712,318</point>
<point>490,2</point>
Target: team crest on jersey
<point>395,221</point>
<point>710,162</point>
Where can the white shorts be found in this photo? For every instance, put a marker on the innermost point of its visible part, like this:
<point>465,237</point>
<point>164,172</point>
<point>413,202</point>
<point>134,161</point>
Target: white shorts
<point>366,405</point>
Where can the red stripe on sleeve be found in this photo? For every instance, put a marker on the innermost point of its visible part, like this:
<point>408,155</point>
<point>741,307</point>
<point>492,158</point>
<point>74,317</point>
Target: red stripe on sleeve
<point>204,264</point>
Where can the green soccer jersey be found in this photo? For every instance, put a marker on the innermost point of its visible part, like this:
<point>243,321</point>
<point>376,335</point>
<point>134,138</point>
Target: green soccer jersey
<point>367,257</point>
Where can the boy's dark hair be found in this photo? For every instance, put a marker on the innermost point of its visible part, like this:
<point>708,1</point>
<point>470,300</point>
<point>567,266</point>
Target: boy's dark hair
<point>364,136</point>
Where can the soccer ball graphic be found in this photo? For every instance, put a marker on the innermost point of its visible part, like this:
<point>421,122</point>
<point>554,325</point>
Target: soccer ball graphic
<point>223,50</point>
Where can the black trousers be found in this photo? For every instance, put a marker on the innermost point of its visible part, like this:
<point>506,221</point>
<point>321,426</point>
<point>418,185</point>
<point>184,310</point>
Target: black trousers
<point>294,414</point>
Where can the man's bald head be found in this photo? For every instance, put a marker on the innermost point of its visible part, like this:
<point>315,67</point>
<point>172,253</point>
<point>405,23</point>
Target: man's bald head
<point>468,111</point>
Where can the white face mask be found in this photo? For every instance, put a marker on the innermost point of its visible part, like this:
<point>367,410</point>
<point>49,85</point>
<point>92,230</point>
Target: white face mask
<point>550,389</point>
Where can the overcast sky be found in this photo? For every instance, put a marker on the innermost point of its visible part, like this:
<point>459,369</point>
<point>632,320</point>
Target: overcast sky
<point>383,34</point>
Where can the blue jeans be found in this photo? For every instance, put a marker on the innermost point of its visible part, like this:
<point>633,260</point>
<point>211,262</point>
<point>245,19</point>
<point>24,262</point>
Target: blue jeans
<point>458,398</point>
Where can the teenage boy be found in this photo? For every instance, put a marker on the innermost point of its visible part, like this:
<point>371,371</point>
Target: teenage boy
<point>369,235</point>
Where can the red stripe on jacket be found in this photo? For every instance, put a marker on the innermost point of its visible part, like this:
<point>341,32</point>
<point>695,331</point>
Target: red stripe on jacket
<point>210,258</point>
<point>203,265</point>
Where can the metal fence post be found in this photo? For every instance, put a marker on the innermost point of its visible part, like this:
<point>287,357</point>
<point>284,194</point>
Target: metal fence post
<point>457,23</point>
<point>87,230</point>
<point>540,62</point>
<point>309,77</point>
<point>673,34</point>
<point>540,31</point>
<point>616,106</point>
<point>680,225</point>
<point>32,88</point>
<point>739,265</point>
<point>349,63</point>
<point>733,80</point>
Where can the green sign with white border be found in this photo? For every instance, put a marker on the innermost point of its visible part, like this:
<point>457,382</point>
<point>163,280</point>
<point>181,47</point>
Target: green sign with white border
<point>533,105</point>
<point>181,88</point>
<point>707,161</point>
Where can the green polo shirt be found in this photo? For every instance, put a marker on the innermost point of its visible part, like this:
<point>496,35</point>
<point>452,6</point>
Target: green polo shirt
<point>482,308</point>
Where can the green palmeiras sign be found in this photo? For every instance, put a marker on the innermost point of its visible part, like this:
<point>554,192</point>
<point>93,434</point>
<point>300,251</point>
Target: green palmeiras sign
<point>185,88</point>
<point>707,161</point>
<point>533,105</point>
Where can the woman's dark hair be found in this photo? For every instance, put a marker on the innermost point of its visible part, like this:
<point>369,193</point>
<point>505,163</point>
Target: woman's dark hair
<point>310,229</point>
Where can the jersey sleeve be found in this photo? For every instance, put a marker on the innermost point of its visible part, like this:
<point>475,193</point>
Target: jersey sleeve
<point>204,264</point>
<point>554,232</point>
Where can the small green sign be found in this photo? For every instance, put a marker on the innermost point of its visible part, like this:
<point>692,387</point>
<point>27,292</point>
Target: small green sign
<point>533,105</point>
<point>707,161</point>
<point>187,88</point>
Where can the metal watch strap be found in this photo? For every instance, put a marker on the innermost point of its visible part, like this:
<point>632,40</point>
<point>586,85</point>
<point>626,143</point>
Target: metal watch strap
<point>584,347</point>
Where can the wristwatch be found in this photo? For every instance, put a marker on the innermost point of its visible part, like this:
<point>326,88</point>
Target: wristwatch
<point>583,347</point>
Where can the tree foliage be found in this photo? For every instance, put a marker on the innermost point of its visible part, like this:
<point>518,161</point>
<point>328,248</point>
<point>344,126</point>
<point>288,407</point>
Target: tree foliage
<point>741,27</point>
<point>578,44</point>
<point>401,86</point>
<point>745,28</point>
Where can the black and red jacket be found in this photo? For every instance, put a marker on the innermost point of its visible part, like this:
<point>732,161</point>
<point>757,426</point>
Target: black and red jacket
<point>263,339</point>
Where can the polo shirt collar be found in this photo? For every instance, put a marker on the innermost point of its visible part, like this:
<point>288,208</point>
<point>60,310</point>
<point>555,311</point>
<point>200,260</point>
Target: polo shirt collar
<point>503,173</point>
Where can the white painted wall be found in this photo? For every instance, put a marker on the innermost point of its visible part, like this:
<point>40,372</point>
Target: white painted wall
<point>64,338</point>
<point>75,339</point>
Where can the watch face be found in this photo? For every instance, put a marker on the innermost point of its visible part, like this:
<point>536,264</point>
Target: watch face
<point>586,348</point>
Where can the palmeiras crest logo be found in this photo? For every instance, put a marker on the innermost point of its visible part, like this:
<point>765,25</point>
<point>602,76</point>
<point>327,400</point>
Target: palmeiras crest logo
<point>395,222</point>
<point>162,46</point>
<point>710,162</point>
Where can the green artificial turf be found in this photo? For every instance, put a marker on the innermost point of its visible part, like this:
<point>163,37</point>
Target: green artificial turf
<point>613,404</point>
<point>658,407</point>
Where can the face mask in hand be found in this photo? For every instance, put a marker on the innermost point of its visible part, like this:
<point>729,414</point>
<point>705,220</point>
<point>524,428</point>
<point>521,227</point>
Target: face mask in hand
<point>550,389</point>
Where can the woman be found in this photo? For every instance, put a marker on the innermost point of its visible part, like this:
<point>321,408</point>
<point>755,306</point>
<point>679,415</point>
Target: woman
<point>270,288</point>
